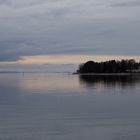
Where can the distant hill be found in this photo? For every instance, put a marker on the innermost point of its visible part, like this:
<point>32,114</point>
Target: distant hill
<point>112,66</point>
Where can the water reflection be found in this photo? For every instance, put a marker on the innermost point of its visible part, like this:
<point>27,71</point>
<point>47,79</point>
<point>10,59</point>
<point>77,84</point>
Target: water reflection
<point>27,116</point>
<point>49,83</point>
<point>122,81</point>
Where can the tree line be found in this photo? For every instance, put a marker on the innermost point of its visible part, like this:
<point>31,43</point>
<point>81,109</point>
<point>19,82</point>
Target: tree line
<point>112,66</point>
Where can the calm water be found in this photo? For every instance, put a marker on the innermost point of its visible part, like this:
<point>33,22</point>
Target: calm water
<point>37,106</point>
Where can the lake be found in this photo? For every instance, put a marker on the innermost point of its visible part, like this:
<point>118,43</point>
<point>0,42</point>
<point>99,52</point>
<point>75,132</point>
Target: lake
<point>61,106</point>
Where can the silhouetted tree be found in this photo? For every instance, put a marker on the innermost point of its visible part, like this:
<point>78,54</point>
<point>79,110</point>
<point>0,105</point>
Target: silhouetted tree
<point>112,66</point>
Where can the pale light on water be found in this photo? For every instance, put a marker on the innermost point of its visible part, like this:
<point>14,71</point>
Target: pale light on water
<point>69,107</point>
<point>46,83</point>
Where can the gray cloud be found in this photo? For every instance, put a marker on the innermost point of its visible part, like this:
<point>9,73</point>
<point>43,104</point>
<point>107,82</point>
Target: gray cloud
<point>5,2</point>
<point>133,3</point>
<point>34,27</point>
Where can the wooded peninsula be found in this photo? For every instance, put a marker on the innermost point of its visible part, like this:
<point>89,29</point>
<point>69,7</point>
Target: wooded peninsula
<point>111,66</point>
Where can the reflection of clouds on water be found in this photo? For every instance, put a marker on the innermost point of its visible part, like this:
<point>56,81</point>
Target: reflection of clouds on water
<point>110,81</point>
<point>49,83</point>
<point>10,93</point>
<point>28,116</point>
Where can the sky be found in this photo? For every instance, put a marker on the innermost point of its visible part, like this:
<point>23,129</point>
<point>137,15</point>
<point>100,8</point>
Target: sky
<point>44,30</point>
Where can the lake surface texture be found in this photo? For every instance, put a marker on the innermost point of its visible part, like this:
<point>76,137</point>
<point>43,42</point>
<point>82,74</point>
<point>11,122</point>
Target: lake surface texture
<point>37,106</point>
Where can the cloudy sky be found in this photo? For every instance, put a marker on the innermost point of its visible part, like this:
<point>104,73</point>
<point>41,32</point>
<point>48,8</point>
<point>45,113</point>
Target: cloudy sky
<point>68,27</point>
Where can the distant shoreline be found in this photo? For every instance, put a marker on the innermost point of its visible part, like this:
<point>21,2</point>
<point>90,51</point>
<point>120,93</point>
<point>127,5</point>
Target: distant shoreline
<point>111,67</point>
<point>108,74</point>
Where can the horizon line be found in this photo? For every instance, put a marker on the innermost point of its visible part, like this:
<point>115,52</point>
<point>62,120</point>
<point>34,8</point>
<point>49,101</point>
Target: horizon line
<point>67,59</point>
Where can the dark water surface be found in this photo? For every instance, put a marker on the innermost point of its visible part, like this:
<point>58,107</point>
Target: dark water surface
<point>37,106</point>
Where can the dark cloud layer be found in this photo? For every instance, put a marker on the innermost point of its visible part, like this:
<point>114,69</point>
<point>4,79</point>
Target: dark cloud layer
<point>35,27</point>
